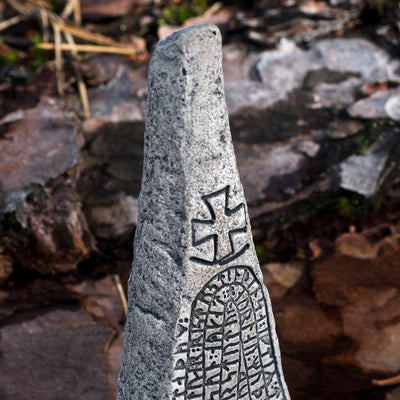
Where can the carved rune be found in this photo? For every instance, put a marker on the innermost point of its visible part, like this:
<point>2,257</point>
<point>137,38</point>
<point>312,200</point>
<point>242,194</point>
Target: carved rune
<point>228,351</point>
<point>224,224</point>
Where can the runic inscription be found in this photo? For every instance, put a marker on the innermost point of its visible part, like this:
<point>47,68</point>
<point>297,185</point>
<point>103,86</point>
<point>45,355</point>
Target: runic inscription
<point>221,228</point>
<point>226,351</point>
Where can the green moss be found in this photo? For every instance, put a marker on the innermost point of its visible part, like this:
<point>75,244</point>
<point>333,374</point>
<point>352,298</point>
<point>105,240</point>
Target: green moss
<point>348,206</point>
<point>262,253</point>
<point>38,55</point>
<point>177,14</point>
<point>11,58</point>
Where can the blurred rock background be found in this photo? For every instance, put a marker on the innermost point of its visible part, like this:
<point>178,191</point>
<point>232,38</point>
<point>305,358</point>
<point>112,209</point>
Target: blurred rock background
<point>313,93</point>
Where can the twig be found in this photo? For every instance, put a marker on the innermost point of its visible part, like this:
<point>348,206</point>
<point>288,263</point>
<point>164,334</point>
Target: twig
<point>88,48</point>
<point>41,9</point>
<point>44,18</point>
<point>213,9</point>
<point>81,84</point>
<point>121,293</point>
<point>77,13</point>
<point>394,380</point>
<point>12,21</point>
<point>90,36</point>
<point>22,9</point>
<point>58,59</point>
<point>68,10</point>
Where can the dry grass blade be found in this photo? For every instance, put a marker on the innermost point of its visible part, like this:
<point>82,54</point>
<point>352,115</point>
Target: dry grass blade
<point>68,9</point>
<point>88,48</point>
<point>77,13</point>
<point>83,93</point>
<point>89,36</point>
<point>41,8</point>
<point>72,7</point>
<point>58,59</point>
<point>22,8</point>
<point>12,21</point>
<point>395,380</point>
<point>121,293</point>
<point>40,3</point>
<point>81,84</point>
<point>113,45</point>
<point>44,19</point>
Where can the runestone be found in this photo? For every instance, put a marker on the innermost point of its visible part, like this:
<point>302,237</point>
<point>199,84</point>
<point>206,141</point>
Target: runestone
<point>200,324</point>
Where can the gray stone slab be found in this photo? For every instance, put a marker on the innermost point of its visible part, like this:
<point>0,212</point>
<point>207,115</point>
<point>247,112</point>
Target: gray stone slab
<point>336,95</point>
<point>381,104</point>
<point>200,324</point>
<point>354,55</point>
<point>242,94</point>
<point>362,173</point>
<point>284,69</point>
<point>42,146</point>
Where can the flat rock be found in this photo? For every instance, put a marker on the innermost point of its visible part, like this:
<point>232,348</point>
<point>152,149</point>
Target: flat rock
<point>356,55</point>
<point>392,106</point>
<point>336,95</point>
<point>43,146</point>
<point>238,63</point>
<point>370,321</point>
<point>381,104</point>
<point>116,220</point>
<point>281,277</point>
<point>337,279</point>
<point>56,236</point>
<point>243,94</point>
<point>259,165</point>
<point>361,173</point>
<point>277,71</point>
<point>118,99</point>
<point>315,327</point>
<point>341,129</point>
<point>53,354</point>
<point>111,162</point>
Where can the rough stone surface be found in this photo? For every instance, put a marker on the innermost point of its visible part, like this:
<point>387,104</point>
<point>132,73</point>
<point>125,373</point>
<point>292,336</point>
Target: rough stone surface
<point>53,354</point>
<point>194,331</point>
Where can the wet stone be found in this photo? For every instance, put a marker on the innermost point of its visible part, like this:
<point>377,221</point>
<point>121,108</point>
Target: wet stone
<point>200,324</point>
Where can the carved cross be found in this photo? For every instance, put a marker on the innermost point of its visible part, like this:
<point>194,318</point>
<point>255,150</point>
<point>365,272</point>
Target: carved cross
<point>221,228</point>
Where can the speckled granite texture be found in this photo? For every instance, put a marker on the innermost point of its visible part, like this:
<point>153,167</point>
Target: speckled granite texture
<point>200,324</point>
